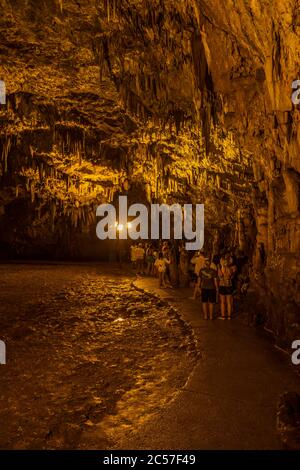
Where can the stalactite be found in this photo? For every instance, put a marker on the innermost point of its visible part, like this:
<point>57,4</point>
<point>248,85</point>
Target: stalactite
<point>32,194</point>
<point>5,151</point>
<point>41,172</point>
<point>108,9</point>
<point>53,213</point>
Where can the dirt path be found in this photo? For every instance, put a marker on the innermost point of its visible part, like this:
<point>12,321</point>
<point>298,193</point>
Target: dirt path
<point>230,400</point>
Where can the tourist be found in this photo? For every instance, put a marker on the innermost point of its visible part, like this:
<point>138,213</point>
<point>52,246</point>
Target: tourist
<point>150,259</point>
<point>166,255</point>
<point>161,265</point>
<point>140,258</point>
<point>172,274</point>
<point>226,274</point>
<point>133,256</point>
<point>155,257</point>
<point>208,282</point>
<point>198,261</point>
<point>215,262</point>
<point>183,266</point>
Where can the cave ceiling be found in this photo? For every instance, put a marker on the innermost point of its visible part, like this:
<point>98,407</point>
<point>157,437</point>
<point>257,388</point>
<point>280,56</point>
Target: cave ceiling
<point>169,100</point>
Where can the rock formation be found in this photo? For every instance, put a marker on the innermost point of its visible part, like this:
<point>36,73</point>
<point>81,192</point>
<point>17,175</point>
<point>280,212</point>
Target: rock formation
<point>168,101</point>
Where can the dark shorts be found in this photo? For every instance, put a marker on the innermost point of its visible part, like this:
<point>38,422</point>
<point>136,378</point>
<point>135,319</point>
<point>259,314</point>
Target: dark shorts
<point>208,295</point>
<point>224,290</point>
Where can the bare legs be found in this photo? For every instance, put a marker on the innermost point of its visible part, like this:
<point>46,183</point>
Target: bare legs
<point>140,266</point>
<point>223,306</point>
<point>161,277</point>
<point>226,306</point>
<point>196,290</point>
<point>229,299</point>
<point>208,310</point>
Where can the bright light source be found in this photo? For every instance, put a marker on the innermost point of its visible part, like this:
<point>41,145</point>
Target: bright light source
<point>120,227</point>
<point>129,225</point>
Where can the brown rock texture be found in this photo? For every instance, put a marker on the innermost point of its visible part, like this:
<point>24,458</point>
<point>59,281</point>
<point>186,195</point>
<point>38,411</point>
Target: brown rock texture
<point>186,101</point>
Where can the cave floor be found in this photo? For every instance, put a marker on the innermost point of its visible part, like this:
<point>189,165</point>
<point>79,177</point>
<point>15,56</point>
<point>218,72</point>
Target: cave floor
<point>93,362</point>
<point>81,365</point>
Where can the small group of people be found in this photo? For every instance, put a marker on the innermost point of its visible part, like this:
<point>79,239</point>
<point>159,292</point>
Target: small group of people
<point>152,260</point>
<point>216,280</point>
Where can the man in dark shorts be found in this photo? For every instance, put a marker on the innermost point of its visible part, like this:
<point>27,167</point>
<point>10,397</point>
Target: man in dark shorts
<point>208,278</point>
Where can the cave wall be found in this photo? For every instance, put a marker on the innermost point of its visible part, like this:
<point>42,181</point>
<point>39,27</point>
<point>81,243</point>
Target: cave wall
<point>254,56</point>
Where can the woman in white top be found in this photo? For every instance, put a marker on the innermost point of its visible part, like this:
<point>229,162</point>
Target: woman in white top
<point>161,266</point>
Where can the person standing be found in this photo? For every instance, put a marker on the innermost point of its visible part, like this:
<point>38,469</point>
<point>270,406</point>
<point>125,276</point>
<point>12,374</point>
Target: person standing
<point>133,256</point>
<point>226,274</point>
<point>198,261</point>
<point>208,282</point>
<point>161,265</point>
<point>166,255</point>
<point>183,266</point>
<point>150,260</point>
<point>140,258</point>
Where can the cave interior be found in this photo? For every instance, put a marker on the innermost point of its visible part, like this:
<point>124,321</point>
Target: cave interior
<point>164,101</point>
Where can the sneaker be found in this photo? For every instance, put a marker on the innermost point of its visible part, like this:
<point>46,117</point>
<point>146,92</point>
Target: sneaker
<point>222,318</point>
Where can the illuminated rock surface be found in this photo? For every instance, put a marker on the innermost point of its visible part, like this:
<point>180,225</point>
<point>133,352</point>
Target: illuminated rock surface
<point>166,100</point>
<point>89,357</point>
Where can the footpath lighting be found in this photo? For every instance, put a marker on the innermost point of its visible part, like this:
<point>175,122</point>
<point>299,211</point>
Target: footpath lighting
<point>120,227</point>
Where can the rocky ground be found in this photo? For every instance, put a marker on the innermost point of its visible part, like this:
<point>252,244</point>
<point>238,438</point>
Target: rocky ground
<point>89,357</point>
